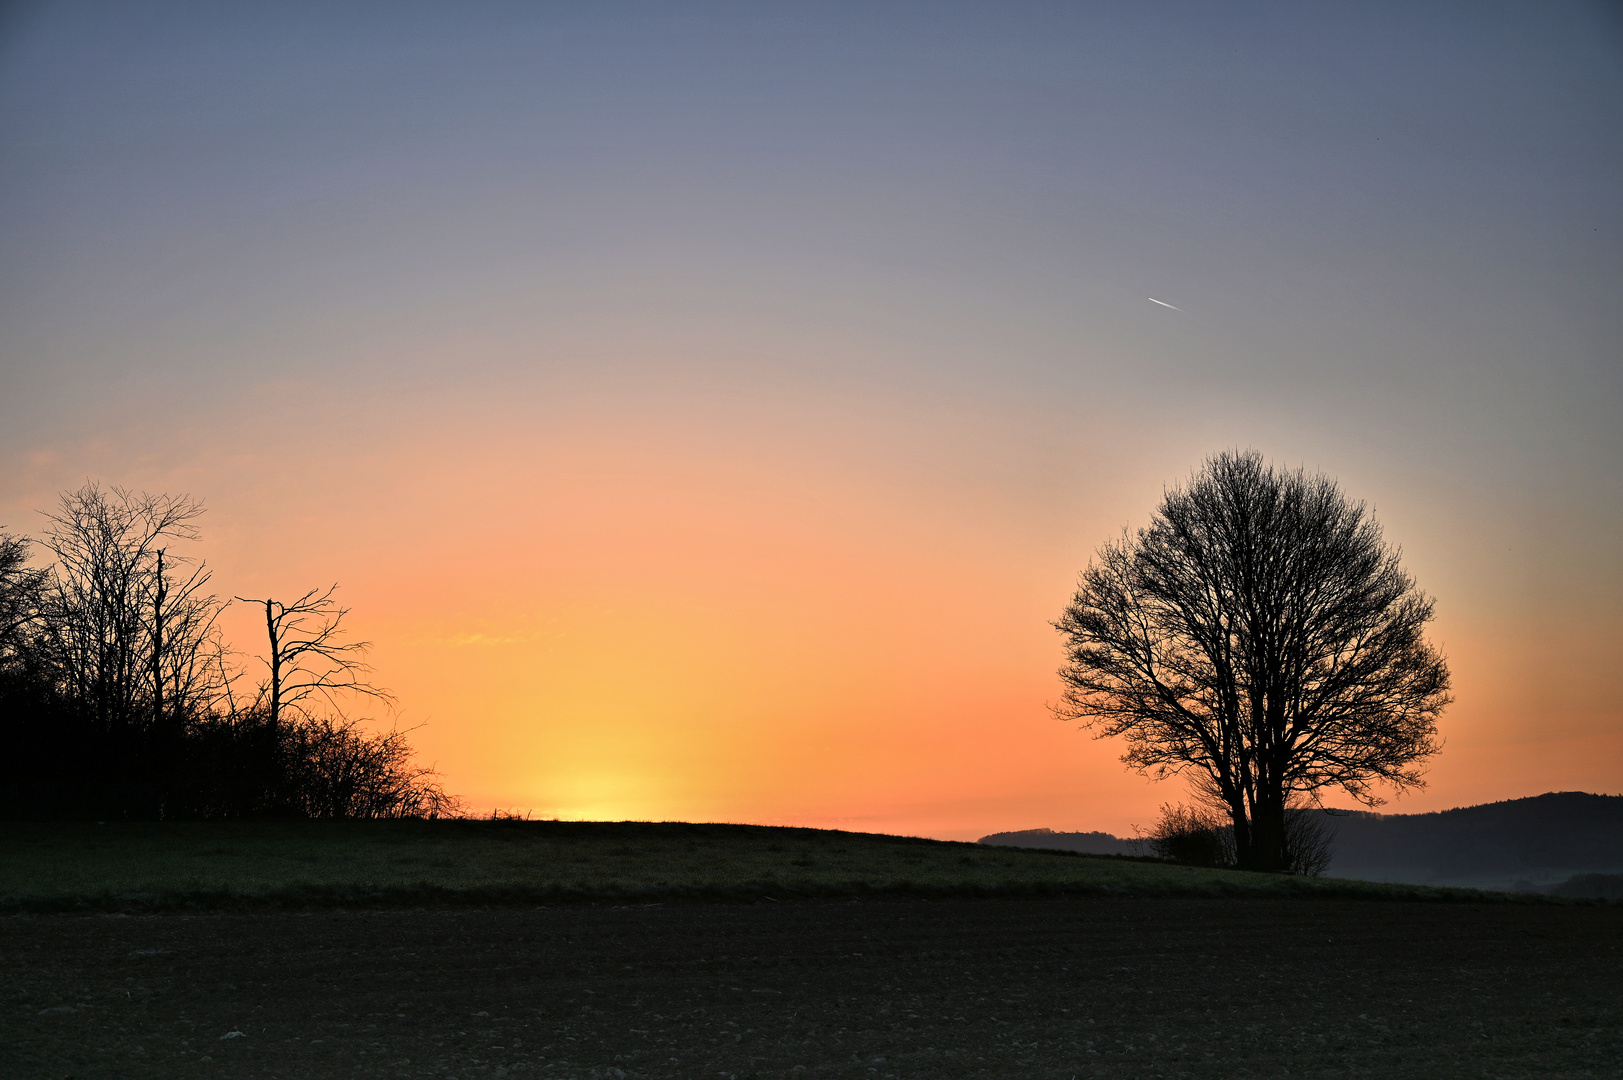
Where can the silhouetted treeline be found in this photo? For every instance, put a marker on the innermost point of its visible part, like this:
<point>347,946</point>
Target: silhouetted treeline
<point>118,698</point>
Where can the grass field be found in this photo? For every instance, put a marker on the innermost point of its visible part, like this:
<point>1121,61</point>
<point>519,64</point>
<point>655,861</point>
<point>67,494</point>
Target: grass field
<point>159,866</point>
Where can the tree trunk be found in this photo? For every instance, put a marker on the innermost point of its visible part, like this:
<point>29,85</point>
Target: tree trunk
<point>1242,834</point>
<point>1268,824</point>
<point>157,648</point>
<point>275,669</point>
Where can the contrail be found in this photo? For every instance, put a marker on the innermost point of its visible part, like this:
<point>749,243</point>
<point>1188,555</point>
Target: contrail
<point>1163,303</point>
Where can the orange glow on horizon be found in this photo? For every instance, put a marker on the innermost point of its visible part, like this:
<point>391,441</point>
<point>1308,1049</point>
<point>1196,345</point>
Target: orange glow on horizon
<point>752,621</point>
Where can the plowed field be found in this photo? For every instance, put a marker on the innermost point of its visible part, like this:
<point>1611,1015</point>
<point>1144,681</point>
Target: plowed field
<point>861,989</point>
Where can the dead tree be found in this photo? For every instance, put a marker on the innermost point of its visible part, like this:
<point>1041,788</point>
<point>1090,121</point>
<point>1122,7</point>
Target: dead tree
<point>1262,637</point>
<point>308,660</point>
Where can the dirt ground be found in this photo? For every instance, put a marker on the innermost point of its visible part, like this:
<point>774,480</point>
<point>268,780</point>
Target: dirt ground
<point>871,989</point>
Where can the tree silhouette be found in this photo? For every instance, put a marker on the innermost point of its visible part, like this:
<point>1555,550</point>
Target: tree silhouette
<point>131,640</point>
<point>1261,636</point>
<point>21,593</point>
<point>116,692</point>
<point>307,658</point>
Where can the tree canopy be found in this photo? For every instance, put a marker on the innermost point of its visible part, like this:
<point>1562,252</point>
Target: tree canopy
<point>1260,636</point>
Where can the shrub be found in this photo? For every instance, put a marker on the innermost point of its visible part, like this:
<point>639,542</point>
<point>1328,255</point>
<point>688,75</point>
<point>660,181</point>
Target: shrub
<point>1193,836</point>
<point>1201,836</point>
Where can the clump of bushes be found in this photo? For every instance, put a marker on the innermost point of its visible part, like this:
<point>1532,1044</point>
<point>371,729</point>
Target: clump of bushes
<point>239,765</point>
<point>1192,836</point>
<point>1197,835</point>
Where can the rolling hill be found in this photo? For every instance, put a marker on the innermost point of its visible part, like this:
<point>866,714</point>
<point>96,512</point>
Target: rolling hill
<point>1532,843</point>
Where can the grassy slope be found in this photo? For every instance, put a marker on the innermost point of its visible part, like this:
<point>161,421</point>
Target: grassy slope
<point>46,867</point>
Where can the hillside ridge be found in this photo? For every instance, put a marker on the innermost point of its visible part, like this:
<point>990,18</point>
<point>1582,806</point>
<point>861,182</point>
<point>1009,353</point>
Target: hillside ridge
<point>1530,842</point>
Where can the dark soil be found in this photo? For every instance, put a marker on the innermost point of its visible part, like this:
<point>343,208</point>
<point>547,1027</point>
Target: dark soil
<point>959,988</point>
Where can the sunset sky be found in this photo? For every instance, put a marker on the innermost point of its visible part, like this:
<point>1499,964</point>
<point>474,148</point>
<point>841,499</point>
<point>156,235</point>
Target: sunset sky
<point>706,408</point>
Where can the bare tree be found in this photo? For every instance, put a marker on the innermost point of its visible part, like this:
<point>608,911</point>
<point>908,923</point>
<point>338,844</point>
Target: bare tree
<point>188,656</point>
<point>1262,637</point>
<point>130,635</point>
<point>308,660</point>
<point>21,594</point>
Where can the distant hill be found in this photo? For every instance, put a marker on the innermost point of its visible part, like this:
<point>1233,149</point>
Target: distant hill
<point>1093,843</point>
<point>1533,843</point>
<point>1537,841</point>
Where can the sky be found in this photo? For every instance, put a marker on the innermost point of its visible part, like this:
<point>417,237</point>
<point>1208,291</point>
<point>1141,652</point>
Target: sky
<point>706,408</point>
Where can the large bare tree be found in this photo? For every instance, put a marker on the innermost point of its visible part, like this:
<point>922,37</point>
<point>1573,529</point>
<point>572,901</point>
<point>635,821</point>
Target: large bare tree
<point>1262,637</point>
<point>128,629</point>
